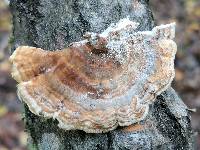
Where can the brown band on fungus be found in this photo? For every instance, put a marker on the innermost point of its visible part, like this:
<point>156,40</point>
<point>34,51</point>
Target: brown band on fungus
<point>133,128</point>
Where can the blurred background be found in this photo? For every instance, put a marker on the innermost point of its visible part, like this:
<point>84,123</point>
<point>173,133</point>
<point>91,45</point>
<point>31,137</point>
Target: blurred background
<point>186,13</point>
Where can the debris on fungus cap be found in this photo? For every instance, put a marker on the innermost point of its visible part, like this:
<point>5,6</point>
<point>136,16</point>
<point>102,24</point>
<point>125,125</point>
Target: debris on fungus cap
<point>104,81</point>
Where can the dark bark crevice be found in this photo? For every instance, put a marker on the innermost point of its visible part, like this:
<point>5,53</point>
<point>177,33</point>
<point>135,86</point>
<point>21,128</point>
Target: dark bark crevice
<point>176,134</point>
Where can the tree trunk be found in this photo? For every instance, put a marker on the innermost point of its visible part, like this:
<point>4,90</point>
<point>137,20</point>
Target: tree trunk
<point>53,24</point>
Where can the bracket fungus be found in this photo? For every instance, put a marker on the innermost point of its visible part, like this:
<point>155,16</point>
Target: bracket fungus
<point>104,81</point>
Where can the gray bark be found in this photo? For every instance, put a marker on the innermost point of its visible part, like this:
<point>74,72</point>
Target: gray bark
<point>53,24</point>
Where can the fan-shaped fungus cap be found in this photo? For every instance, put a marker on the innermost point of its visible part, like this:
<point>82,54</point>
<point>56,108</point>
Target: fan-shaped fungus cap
<point>104,81</point>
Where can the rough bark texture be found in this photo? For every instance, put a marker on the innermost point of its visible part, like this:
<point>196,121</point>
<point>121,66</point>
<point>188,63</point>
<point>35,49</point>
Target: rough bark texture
<point>53,24</point>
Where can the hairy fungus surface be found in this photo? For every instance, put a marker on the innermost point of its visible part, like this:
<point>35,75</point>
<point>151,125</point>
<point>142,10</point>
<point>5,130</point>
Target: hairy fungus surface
<point>104,81</point>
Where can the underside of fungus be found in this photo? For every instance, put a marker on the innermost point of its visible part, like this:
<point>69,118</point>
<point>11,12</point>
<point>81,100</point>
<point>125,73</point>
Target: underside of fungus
<point>104,81</point>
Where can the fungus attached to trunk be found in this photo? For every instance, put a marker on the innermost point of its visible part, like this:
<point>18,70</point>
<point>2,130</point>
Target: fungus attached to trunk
<point>104,81</point>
